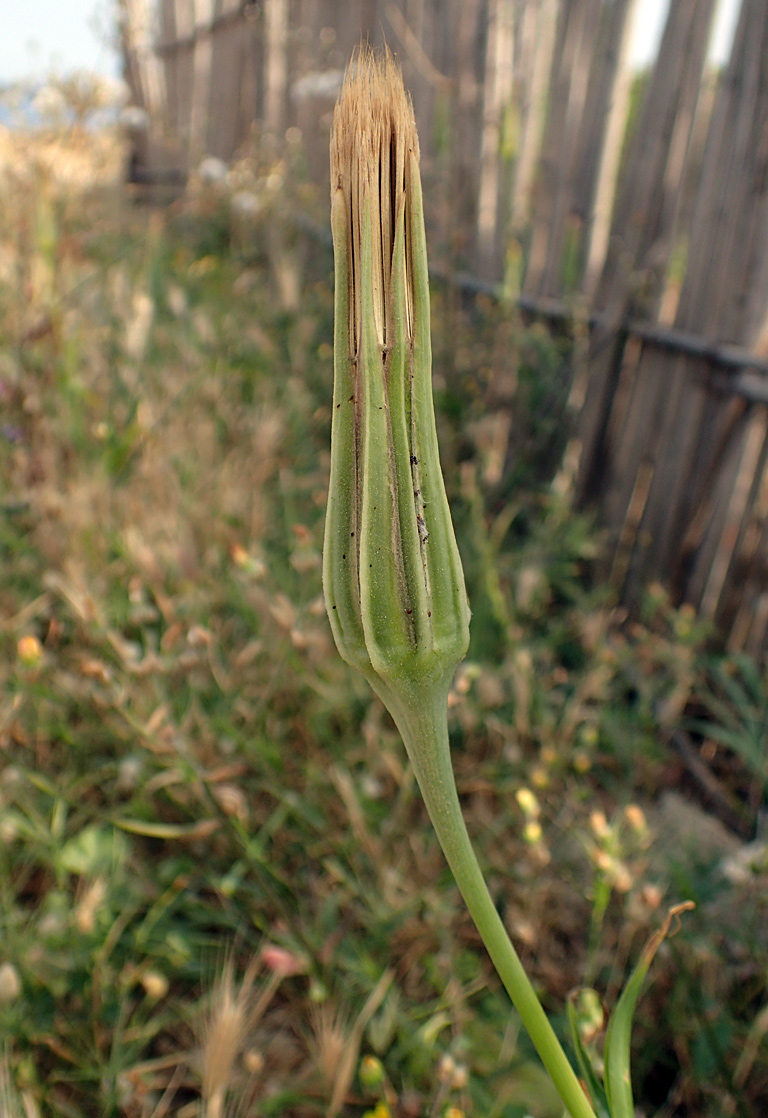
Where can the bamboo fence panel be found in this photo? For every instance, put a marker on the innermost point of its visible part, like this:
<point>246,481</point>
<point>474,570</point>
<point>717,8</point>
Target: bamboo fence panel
<point>545,171</point>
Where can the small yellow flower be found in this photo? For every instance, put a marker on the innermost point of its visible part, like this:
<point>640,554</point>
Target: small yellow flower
<point>381,1110</point>
<point>29,651</point>
<point>528,802</point>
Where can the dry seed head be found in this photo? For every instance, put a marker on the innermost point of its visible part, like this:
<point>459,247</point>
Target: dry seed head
<point>225,1030</point>
<point>89,905</point>
<point>335,1051</point>
<point>332,1039</point>
<point>373,142</point>
<point>392,578</point>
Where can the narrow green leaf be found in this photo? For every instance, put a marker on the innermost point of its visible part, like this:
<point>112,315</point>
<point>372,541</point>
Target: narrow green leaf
<point>198,830</point>
<point>617,1055</point>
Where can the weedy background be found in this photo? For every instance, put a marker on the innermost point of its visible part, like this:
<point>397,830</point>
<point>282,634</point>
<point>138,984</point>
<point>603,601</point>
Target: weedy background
<point>220,893</point>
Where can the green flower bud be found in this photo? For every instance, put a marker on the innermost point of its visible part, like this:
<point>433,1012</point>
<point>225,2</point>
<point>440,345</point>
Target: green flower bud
<point>392,575</point>
<point>371,1072</point>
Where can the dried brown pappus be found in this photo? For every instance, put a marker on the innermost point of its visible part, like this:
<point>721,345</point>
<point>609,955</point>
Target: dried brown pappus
<point>232,1013</point>
<point>373,141</point>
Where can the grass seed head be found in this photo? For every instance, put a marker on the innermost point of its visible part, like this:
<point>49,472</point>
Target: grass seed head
<point>226,1027</point>
<point>335,1049</point>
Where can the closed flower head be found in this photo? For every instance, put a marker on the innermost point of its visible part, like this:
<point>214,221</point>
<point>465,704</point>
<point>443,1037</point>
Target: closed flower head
<point>393,580</point>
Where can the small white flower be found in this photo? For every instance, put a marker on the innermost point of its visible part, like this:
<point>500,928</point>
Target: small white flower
<point>115,92</point>
<point>245,204</point>
<point>134,119</point>
<point>316,84</point>
<point>213,171</point>
<point>49,101</point>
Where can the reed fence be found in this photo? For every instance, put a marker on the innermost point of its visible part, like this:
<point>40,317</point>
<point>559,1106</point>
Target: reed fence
<point>563,181</point>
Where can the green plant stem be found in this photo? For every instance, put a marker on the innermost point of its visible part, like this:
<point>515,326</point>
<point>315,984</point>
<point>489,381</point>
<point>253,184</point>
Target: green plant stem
<point>602,892</point>
<point>424,726</point>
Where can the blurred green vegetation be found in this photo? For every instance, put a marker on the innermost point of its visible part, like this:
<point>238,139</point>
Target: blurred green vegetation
<point>191,777</point>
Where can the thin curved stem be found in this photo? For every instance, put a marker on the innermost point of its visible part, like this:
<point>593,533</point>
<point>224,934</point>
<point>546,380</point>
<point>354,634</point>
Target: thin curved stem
<point>423,725</point>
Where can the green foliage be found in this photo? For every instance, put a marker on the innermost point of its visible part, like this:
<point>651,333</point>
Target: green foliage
<point>734,699</point>
<point>189,770</point>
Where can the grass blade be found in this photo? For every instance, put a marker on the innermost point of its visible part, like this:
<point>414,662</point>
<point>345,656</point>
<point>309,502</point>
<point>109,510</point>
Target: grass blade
<point>618,1080</point>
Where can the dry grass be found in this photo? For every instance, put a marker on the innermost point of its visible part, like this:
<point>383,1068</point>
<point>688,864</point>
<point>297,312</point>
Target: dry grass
<point>64,160</point>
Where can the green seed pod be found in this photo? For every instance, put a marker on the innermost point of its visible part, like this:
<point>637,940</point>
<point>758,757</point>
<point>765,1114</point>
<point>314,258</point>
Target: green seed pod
<point>392,575</point>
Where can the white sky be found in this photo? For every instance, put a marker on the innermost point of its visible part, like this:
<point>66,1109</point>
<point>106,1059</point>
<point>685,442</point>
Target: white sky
<point>40,37</point>
<point>649,25</point>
